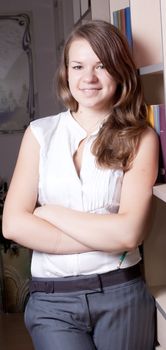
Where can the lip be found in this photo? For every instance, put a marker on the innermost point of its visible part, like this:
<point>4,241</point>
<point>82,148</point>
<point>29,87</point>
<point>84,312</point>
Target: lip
<point>90,89</point>
<point>90,92</point>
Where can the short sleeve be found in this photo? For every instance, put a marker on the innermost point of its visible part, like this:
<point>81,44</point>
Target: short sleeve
<point>43,128</point>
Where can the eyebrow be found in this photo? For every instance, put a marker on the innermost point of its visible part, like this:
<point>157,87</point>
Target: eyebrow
<point>75,61</point>
<point>83,61</point>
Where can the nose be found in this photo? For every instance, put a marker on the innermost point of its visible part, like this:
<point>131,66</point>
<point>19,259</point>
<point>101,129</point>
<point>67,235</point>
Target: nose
<point>90,76</point>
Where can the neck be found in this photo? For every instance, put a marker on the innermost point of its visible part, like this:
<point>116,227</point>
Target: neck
<point>90,121</point>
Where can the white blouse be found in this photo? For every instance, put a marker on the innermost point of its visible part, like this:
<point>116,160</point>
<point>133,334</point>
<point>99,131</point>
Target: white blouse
<point>95,190</point>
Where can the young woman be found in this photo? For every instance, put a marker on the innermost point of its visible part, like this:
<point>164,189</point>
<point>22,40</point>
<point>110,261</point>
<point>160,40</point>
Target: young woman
<point>91,170</point>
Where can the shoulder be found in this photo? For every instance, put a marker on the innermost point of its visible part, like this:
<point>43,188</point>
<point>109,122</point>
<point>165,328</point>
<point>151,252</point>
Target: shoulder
<point>43,128</point>
<point>37,136</point>
<point>149,143</point>
<point>146,161</point>
<point>150,134</point>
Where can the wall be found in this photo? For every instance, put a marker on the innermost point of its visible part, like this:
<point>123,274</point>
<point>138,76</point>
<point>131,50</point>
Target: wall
<point>51,22</point>
<point>45,16</point>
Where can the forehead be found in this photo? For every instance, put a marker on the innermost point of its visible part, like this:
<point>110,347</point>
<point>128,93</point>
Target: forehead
<point>80,49</point>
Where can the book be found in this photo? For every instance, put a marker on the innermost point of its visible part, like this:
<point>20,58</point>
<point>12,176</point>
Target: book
<point>162,118</point>
<point>122,20</point>
<point>150,115</point>
<point>128,25</point>
<point>156,117</point>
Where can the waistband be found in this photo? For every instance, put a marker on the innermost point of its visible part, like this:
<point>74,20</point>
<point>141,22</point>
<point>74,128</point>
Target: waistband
<point>93,282</point>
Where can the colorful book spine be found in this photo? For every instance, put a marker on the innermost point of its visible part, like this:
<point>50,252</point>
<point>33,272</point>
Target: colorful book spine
<point>122,20</point>
<point>128,25</point>
<point>157,119</point>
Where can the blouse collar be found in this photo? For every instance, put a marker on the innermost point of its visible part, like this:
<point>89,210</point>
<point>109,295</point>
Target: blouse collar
<point>75,126</point>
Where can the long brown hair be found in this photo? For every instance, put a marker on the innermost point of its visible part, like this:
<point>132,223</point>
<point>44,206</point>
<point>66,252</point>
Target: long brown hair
<point>118,139</point>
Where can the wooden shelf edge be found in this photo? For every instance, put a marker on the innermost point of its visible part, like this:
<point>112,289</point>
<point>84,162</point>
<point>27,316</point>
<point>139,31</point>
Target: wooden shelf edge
<point>154,68</point>
<point>160,191</point>
<point>159,293</point>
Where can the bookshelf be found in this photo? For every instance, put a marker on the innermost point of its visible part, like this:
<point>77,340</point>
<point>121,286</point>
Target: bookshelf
<point>149,54</point>
<point>152,68</point>
<point>144,15</point>
<point>160,296</point>
<point>163,27</point>
<point>160,191</point>
<point>99,11</point>
<point>148,23</point>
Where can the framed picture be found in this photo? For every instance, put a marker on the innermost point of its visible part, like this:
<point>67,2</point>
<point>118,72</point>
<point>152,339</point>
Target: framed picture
<point>17,105</point>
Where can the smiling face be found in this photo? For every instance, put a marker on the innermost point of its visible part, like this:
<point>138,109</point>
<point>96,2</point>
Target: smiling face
<point>89,82</point>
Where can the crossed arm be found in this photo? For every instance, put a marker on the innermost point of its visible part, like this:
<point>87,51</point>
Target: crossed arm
<point>59,230</point>
<point>19,222</point>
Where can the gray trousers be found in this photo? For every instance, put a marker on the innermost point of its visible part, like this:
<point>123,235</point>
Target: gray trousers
<point>119,317</point>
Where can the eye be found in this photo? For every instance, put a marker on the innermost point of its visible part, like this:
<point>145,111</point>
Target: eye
<point>100,66</point>
<point>77,67</point>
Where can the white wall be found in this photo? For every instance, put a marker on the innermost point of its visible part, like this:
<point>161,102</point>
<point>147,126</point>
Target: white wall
<point>45,41</point>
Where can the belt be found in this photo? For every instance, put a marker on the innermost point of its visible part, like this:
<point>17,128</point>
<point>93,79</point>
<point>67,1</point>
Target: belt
<point>93,282</point>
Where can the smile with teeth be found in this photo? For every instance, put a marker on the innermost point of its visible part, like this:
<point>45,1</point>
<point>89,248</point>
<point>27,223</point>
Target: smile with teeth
<point>93,88</point>
<point>90,91</point>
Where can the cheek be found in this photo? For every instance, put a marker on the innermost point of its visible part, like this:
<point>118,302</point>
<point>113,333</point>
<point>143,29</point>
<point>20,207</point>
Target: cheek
<point>73,82</point>
<point>71,85</point>
<point>71,78</point>
<point>109,82</point>
<point>73,88</point>
<point>113,87</point>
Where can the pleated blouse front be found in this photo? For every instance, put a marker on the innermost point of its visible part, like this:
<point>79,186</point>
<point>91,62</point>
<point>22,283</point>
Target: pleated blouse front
<point>95,190</point>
